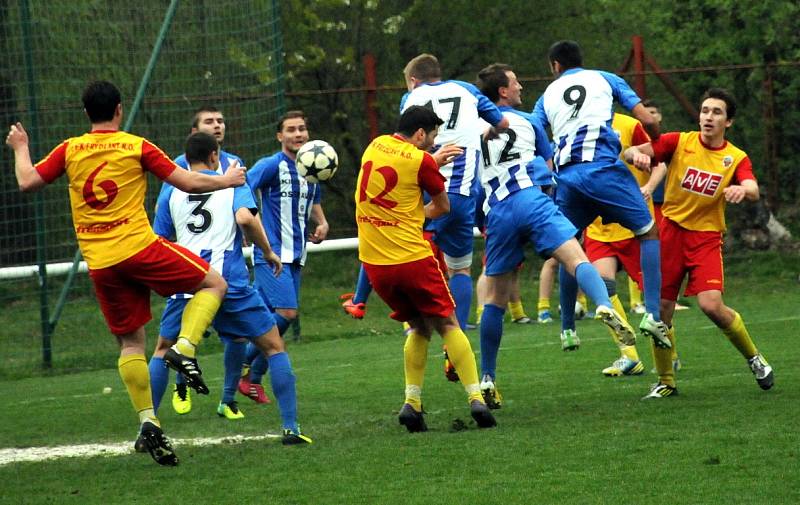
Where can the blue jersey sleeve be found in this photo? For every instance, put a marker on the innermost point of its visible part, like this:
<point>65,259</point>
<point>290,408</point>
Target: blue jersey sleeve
<point>263,174</point>
<point>317,194</point>
<point>539,114</point>
<point>243,198</point>
<point>486,109</point>
<point>181,161</point>
<point>403,101</point>
<point>621,90</point>
<point>543,146</point>
<point>162,223</point>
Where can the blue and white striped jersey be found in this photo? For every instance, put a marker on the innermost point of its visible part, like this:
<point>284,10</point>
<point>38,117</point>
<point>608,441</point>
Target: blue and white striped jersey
<point>510,159</point>
<point>579,107</point>
<point>459,104</point>
<point>206,225</point>
<point>286,200</point>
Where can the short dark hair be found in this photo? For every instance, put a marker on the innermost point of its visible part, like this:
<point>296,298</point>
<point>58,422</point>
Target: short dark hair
<point>100,99</point>
<point>424,67</point>
<point>200,110</point>
<point>416,117</point>
<point>566,52</point>
<point>199,146</point>
<point>649,102</point>
<point>725,96</point>
<point>492,78</point>
<point>292,114</point>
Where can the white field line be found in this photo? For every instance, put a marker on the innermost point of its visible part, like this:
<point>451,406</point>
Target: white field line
<point>33,454</point>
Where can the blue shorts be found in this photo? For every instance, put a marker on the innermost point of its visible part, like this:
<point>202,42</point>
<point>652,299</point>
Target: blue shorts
<point>242,315</point>
<point>588,190</point>
<point>282,292</point>
<point>453,231</point>
<point>527,216</point>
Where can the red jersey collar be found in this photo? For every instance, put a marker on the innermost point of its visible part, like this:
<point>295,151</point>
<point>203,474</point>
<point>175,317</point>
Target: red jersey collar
<point>720,148</point>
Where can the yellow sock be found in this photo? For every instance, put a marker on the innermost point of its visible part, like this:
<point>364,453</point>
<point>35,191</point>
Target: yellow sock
<point>674,339</point>
<point>517,310</point>
<point>136,377</point>
<point>634,294</point>
<point>197,316</point>
<point>583,300</point>
<point>478,314</point>
<point>629,351</point>
<point>739,337</point>
<point>415,356</point>
<point>663,361</point>
<point>544,304</point>
<point>460,352</point>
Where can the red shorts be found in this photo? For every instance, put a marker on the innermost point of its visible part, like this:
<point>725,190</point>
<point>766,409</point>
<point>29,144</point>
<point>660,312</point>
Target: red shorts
<point>657,215</point>
<point>698,253</point>
<point>437,253</point>
<point>123,290</point>
<point>627,252</point>
<point>412,289</point>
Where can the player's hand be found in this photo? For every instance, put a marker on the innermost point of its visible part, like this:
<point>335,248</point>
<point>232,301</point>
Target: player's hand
<point>274,261</point>
<point>647,193</point>
<point>17,136</point>
<point>320,233</point>
<point>734,194</point>
<point>446,154</point>
<point>641,161</point>
<point>235,175</point>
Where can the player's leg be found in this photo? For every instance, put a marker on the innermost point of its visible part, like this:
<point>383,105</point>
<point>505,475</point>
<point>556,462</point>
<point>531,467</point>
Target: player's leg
<point>499,289</point>
<point>232,359</point>
<point>515,306</point>
<point>635,297</point>
<point>454,236</point>
<point>547,279</point>
<point>480,294</point>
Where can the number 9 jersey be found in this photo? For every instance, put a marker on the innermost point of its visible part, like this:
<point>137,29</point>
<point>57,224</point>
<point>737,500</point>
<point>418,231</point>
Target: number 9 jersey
<point>389,206</point>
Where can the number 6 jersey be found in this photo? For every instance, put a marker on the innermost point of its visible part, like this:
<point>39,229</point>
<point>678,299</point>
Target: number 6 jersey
<point>389,207</point>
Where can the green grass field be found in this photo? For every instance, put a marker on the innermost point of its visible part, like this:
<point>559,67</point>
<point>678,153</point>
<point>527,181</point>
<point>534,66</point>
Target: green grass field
<point>565,435</point>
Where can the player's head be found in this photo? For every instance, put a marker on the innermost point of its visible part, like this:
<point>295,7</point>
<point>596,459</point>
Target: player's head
<point>653,108</point>
<point>421,69</point>
<point>209,119</point>
<point>564,55</point>
<point>101,101</point>
<point>202,147</point>
<point>419,125</point>
<point>499,82</point>
<point>717,110</point>
<point>292,131</point>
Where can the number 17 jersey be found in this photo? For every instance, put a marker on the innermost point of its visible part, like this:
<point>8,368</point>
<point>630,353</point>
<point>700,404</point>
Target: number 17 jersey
<point>389,206</point>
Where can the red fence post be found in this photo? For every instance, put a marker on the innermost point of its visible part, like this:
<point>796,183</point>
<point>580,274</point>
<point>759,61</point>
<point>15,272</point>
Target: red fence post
<point>638,66</point>
<point>371,85</point>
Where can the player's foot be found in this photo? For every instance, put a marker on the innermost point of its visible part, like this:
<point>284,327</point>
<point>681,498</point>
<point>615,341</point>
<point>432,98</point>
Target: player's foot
<point>544,317</point>
<point>660,390</point>
<point>295,437</point>
<point>762,371</point>
<point>617,323</point>
<point>181,399</point>
<point>413,421</point>
<point>356,310</point>
<point>492,397</point>
<point>482,415</point>
<point>230,411</point>
<point>624,366</point>
<point>580,311</point>
<point>570,340</point>
<point>657,330</point>
<point>157,444</point>
<point>188,367</point>
<point>139,445</point>
<point>253,391</point>
<point>522,320</point>
<point>449,369</point>
<point>638,308</point>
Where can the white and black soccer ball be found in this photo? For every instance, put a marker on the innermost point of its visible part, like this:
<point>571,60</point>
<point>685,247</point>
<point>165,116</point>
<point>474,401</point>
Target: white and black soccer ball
<point>316,161</point>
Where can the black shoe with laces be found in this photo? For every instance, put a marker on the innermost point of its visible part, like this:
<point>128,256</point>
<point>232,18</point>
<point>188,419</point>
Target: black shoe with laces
<point>482,415</point>
<point>188,367</point>
<point>413,421</point>
<point>157,444</point>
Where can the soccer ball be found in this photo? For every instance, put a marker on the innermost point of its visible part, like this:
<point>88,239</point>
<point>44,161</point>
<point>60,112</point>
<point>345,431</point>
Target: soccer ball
<point>316,161</point>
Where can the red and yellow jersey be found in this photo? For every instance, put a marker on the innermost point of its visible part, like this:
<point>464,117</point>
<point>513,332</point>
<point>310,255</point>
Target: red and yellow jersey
<point>107,186</point>
<point>696,176</point>
<point>389,206</point>
<point>631,133</point>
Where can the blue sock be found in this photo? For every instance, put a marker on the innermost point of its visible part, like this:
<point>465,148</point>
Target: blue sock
<point>258,368</point>
<point>282,323</point>
<point>363,287</point>
<point>232,359</point>
<point>461,289</point>
<point>592,284</point>
<point>567,296</point>
<point>251,354</point>
<point>159,377</point>
<point>651,275</point>
<point>283,386</point>
<point>491,334</point>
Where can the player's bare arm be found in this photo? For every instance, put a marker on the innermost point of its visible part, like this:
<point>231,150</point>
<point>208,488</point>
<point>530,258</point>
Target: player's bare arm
<point>445,154</point>
<point>746,190</point>
<point>656,176</point>
<point>250,224</point>
<point>321,231</point>
<point>640,156</point>
<point>195,182</point>
<point>648,120</point>
<point>494,131</point>
<point>438,206</point>
<point>28,178</point>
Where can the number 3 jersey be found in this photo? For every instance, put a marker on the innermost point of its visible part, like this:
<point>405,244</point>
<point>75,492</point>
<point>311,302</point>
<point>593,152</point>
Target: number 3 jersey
<point>206,225</point>
<point>578,107</point>
<point>107,187</point>
<point>389,206</point>
<point>459,104</point>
